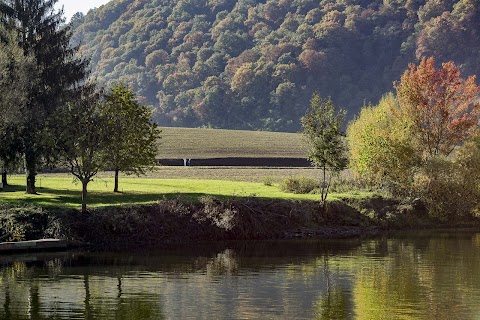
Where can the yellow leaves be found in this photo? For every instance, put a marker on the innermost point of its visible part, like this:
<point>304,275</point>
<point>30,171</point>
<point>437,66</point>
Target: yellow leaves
<point>379,143</point>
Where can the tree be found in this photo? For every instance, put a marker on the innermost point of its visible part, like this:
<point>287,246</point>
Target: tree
<point>380,146</point>
<point>41,34</point>
<point>16,72</point>
<point>321,127</point>
<point>134,136</point>
<point>83,137</point>
<point>442,106</point>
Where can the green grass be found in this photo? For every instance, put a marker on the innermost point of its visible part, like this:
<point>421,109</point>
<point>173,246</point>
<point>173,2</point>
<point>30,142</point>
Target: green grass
<point>60,190</point>
<point>200,143</point>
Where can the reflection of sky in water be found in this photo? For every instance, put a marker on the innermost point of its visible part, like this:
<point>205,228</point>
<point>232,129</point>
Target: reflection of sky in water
<point>408,278</point>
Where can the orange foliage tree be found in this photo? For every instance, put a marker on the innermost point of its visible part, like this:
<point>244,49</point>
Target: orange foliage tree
<point>442,107</point>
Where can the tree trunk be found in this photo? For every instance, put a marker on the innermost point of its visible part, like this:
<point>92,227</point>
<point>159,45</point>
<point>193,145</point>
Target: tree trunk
<point>4,177</point>
<point>84,196</point>
<point>30,170</point>
<point>31,183</point>
<point>115,188</point>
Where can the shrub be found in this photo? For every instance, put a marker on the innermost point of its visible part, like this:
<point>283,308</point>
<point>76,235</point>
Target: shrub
<point>450,188</point>
<point>298,185</point>
<point>348,182</point>
<point>268,181</point>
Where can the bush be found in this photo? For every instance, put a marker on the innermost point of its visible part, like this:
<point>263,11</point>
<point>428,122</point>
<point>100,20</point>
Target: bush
<point>22,222</point>
<point>298,185</point>
<point>268,181</point>
<point>349,182</point>
<point>450,189</point>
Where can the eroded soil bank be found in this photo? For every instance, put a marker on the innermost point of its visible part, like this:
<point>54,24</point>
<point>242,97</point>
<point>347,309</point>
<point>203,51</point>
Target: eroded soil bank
<point>176,221</point>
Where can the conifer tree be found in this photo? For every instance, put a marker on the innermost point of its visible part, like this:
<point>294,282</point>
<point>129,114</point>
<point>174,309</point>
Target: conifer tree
<point>41,33</point>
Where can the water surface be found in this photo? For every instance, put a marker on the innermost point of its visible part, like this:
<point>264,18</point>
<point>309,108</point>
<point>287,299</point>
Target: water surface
<point>434,276</point>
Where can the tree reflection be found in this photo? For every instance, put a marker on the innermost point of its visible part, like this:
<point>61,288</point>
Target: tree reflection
<point>333,305</point>
<point>410,278</point>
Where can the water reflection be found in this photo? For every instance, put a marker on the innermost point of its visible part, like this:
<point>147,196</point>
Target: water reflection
<point>401,277</point>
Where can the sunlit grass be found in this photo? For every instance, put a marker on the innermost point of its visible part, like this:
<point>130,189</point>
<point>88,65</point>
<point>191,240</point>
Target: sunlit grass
<point>61,190</point>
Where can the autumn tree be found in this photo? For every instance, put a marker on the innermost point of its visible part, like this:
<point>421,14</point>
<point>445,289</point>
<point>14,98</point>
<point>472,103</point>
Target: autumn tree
<point>326,150</point>
<point>380,146</point>
<point>134,136</point>
<point>442,106</point>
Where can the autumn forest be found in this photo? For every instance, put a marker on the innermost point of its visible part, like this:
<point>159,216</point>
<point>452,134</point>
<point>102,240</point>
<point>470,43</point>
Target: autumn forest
<point>244,64</point>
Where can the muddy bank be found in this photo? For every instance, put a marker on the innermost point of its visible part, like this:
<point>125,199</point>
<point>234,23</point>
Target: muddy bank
<point>176,221</point>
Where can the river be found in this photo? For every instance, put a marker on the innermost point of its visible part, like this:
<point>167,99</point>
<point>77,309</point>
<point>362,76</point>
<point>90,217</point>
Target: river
<point>409,276</point>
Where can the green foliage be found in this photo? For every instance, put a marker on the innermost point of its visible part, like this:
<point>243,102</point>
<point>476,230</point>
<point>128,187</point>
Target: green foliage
<point>22,222</point>
<point>16,72</point>
<point>321,127</point>
<point>380,146</point>
<point>268,57</point>
<point>298,185</point>
<point>55,73</point>
<point>133,137</point>
<point>326,149</point>
<point>268,181</point>
<point>84,137</point>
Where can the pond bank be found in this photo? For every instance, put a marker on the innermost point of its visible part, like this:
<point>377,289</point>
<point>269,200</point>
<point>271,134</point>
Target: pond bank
<point>176,221</point>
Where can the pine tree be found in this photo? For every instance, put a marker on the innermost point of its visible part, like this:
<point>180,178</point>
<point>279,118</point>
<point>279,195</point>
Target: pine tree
<point>42,34</point>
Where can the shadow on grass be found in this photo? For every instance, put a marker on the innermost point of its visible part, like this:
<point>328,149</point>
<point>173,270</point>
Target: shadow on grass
<point>72,198</point>
<point>13,188</point>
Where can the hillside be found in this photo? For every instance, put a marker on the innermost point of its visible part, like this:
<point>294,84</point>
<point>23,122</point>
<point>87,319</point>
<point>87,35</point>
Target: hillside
<point>244,64</point>
<point>178,143</point>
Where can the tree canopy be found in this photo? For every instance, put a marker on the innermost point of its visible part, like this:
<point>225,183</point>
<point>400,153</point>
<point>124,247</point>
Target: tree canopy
<point>133,146</point>
<point>243,64</point>
<point>83,136</point>
<point>442,106</point>
<point>39,32</point>
<point>326,149</point>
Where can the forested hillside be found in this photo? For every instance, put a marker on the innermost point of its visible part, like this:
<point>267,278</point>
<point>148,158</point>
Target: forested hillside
<point>245,64</point>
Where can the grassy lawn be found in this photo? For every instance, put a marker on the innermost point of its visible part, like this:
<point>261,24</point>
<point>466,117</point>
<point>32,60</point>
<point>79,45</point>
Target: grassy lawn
<point>60,190</point>
<point>200,143</point>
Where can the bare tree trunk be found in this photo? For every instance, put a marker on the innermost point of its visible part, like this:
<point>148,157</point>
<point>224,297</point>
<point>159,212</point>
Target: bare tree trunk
<point>84,196</point>
<point>4,177</point>
<point>115,188</point>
